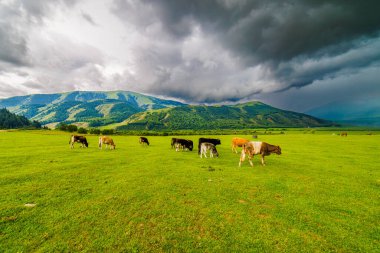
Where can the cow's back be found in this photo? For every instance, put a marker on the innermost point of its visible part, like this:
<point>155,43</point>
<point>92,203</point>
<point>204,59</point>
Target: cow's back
<point>256,146</point>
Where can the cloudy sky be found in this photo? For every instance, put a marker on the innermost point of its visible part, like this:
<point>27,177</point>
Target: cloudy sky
<point>293,54</point>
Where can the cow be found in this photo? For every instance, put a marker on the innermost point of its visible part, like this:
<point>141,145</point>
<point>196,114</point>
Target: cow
<point>205,146</point>
<point>107,141</point>
<point>80,139</point>
<point>144,140</point>
<point>182,144</point>
<point>257,147</point>
<point>238,142</point>
<point>343,134</point>
<point>209,140</point>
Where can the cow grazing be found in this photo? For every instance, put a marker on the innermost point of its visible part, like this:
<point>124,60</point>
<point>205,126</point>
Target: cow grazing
<point>205,146</point>
<point>209,140</point>
<point>343,134</point>
<point>182,144</point>
<point>80,139</point>
<point>257,147</point>
<point>105,140</point>
<point>238,142</point>
<point>144,141</point>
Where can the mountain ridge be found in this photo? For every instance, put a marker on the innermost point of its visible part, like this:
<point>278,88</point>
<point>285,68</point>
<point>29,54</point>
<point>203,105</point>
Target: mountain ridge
<point>127,110</point>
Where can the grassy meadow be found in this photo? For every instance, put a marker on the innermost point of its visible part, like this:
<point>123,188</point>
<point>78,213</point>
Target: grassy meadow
<point>321,195</point>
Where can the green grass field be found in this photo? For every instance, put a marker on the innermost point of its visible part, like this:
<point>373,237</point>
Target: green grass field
<point>321,195</point>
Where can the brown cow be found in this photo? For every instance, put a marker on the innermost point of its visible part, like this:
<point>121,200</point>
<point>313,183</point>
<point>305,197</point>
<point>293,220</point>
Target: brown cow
<point>238,142</point>
<point>107,141</point>
<point>80,139</point>
<point>257,147</point>
<point>343,134</point>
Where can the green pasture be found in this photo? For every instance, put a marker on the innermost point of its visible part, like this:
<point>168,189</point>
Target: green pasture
<point>321,195</point>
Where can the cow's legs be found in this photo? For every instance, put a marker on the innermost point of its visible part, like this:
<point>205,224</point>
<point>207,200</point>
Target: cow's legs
<point>262,160</point>
<point>242,157</point>
<point>250,160</point>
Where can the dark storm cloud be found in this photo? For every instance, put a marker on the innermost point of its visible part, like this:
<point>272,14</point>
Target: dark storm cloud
<point>298,41</point>
<point>269,30</point>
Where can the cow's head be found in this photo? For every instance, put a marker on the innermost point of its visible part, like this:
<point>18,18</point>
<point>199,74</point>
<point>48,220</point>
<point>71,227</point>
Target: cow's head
<point>215,152</point>
<point>277,150</point>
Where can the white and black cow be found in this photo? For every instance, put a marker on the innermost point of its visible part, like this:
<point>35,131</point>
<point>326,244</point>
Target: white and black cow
<point>80,139</point>
<point>205,146</point>
<point>182,144</point>
<point>209,140</point>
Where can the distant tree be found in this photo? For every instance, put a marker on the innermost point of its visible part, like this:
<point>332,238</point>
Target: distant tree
<point>36,124</point>
<point>72,128</point>
<point>62,127</point>
<point>95,131</point>
<point>82,130</point>
<point>108,131</point>
<point>65,127</point>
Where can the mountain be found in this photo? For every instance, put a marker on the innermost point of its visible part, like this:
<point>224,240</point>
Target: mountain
<point>360,112</point>
<point>247,115</point>
<point>95,108</point>
<point>129,110</point>
<point>10,120</point>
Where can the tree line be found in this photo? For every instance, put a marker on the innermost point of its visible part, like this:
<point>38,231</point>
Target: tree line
<point>81,130</point>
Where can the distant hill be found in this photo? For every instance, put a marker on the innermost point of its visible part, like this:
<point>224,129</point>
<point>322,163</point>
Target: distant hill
<point>134,111</point>
<point>248,115</point>
<point>95,108</point>
<point>10,120</point>
<point>361,113</point>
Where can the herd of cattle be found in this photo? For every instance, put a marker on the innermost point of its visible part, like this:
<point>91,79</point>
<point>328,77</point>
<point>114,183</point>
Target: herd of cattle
<point>205,145</point>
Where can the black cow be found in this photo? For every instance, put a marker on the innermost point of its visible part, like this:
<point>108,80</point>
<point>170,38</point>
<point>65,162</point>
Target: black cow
<point>80,139</point>
<point>209,140</point>
<point>144,140</point>
<point>182,144</point>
